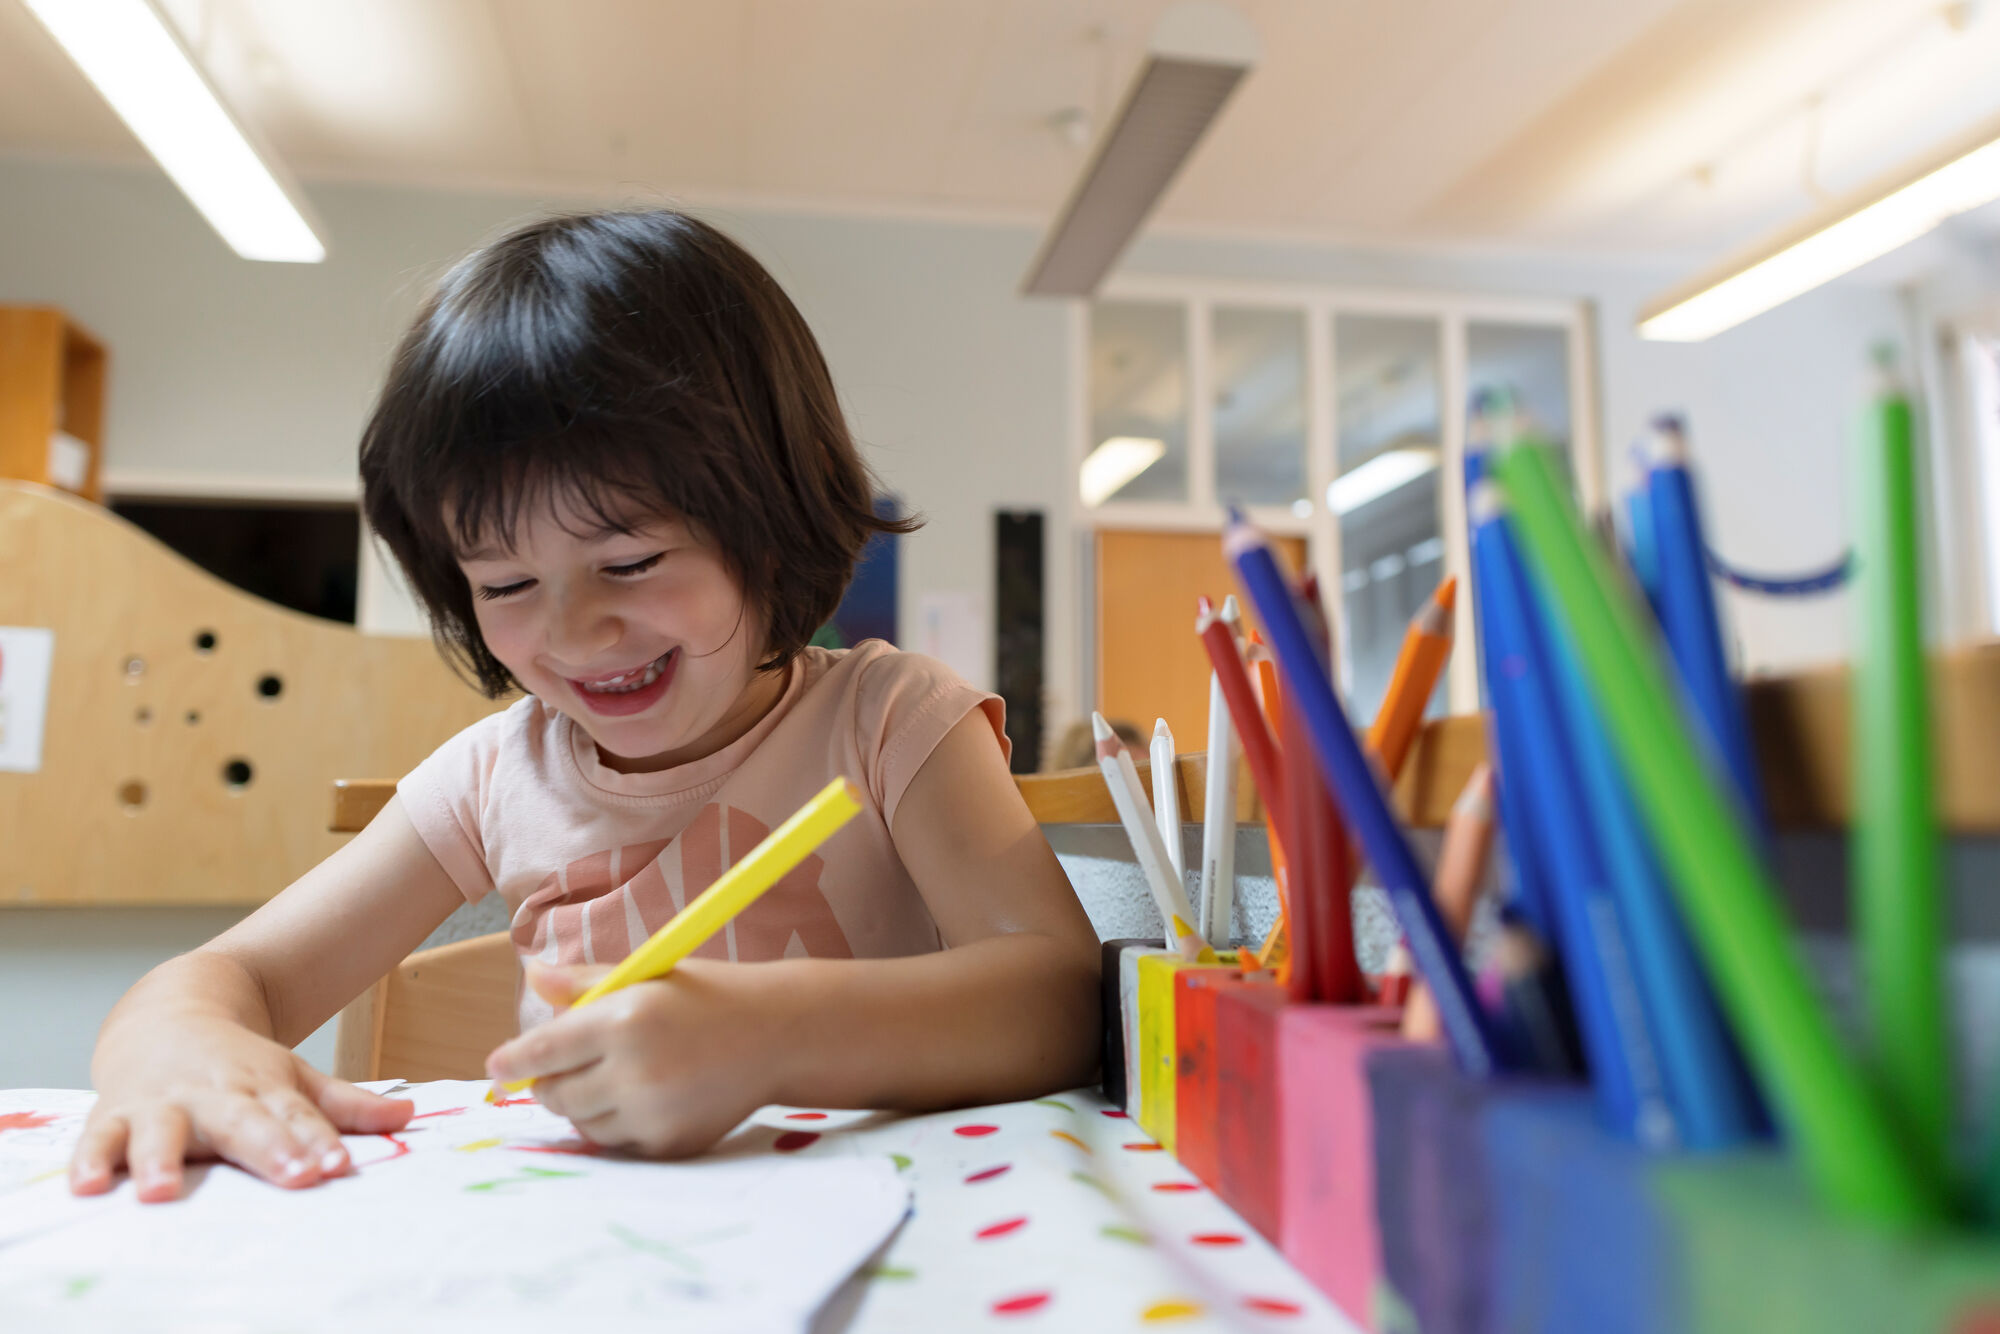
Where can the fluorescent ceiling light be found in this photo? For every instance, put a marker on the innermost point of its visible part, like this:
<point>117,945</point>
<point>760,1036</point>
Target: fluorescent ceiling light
<point>1862,227</point>
<point>1114,463</point>
<point>1199,52</point>
<point>138,62</point>
<point>1385,472</point>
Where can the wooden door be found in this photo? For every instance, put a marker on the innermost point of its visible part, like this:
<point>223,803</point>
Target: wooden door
<point>1149,662</point>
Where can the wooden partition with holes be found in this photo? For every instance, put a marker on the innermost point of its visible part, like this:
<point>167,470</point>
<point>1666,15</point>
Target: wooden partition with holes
<point>192,730</point>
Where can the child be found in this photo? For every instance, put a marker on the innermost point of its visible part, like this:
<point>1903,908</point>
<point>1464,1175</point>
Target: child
<point>610,460</point>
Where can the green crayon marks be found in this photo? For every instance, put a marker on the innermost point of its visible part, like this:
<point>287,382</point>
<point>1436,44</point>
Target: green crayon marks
<point>896,1272</point>
<point>521,1178</point>
<point>1119,1232</point>
<point>901,1160</point>
<point>1052,1102</point>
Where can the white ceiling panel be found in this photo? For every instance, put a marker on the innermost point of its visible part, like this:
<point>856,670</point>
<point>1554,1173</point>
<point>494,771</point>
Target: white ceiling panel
<point>1680,125</point>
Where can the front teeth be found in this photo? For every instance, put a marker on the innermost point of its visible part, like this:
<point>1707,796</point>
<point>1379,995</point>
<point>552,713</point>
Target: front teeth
<point>628,682</point>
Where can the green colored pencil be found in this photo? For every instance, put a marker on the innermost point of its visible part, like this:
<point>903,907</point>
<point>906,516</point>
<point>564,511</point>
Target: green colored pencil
<point>1849,1151</point>
<point>1898,906</point>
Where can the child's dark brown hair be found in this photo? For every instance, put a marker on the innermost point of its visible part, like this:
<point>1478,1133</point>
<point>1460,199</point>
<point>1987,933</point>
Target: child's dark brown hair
<point>604,359</point>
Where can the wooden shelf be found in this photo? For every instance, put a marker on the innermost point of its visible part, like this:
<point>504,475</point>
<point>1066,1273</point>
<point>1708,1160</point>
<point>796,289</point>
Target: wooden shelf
<point>51,401</point>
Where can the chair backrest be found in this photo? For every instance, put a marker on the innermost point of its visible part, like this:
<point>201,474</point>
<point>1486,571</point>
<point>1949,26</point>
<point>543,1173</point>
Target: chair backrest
<point>441,1010</point>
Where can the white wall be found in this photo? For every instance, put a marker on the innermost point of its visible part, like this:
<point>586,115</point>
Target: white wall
<point>223,372</point>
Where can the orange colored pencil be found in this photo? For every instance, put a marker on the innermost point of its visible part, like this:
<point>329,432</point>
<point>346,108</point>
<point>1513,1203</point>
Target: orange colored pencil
<point>1267,689</point>
<point>1426,646</point>
<point>1468,842</point>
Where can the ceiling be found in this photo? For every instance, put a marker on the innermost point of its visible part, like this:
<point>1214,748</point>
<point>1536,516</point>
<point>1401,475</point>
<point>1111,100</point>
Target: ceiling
<point>1654,126</point>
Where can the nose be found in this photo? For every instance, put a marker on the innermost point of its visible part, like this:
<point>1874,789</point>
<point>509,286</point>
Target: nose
<point>581,629</point>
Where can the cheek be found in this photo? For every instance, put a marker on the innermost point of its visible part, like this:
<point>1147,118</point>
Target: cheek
<point>505,635</point>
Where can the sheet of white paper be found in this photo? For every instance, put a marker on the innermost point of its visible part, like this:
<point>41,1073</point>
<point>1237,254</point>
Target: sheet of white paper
<point>952,628</point>
<point>25,654</point>
<point>475,1217</point>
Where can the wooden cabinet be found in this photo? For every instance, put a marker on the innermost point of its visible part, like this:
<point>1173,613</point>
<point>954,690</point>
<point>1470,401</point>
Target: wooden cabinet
<point>51,401</point>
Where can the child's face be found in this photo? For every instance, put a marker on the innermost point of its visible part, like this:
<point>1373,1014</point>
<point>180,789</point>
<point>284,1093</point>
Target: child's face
<point>641,637</point>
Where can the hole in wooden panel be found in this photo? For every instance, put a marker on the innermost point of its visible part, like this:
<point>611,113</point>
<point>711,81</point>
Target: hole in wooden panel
<point>204,641</point>
<point>143,716</point>
<point>135,667</point>
<point>236,774</point>
<point>270,685</point>
<point>132,795</point>
<point>193,717</point>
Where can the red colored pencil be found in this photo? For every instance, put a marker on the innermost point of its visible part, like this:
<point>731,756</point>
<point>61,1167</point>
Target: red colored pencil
<point>1259,750</point>
<point>1329,878</point>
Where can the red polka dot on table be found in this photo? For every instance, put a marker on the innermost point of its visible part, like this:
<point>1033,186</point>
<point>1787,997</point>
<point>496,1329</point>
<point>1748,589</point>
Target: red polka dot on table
<point>1176,1187</point>
<point>794,1140</point>
<point>1217,1239</point>
<point>989,1173</point>
<point>1141,1146</point>
<point>805,1116</point>
<point>1006,1227</point>
<point>1022,1303</point>
<point>1272,1306</point>
<point>974,1131</point>
<point>1114,1113</point>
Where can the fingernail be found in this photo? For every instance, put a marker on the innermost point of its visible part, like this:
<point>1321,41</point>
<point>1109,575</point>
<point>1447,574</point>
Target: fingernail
<point>333,1160</point>
<point>295,1168</point>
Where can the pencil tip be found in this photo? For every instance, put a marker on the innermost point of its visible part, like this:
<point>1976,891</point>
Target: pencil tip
<point>1231,612</point>
<point>1202,606</point>
<point>1099,729</point>
<point>1447,592</point>
<point>1161,730</point>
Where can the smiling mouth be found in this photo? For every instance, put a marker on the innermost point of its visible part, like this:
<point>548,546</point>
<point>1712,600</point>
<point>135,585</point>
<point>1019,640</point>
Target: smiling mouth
<point>624,683</point>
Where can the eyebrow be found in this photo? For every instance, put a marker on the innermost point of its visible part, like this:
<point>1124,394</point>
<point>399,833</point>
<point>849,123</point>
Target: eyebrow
<point>596,533</point>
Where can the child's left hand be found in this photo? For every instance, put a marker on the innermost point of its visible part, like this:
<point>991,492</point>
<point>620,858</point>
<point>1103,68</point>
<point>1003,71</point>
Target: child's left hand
<point>663,1068</point>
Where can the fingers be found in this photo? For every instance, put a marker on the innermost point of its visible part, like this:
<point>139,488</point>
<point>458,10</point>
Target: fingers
<point>244,1130</point>
<point>561,985</point>
<point>319,1142</point>
<point>581,1095</point>
<point>567,1042</point>
<point>354,1111</point>
<point>155,1152</point>
<point>99,1151</point>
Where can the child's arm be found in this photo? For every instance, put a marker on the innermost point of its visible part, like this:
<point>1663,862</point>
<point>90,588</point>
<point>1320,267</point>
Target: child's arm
<point>196,1060</point>
<point>1008,1011</point>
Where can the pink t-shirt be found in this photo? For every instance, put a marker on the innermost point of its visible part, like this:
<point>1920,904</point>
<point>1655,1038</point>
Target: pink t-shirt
<point>592,861</point>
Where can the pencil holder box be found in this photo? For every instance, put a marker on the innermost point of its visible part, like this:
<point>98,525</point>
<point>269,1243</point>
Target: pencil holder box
<point>1581,1243</point>
<point>1432,1204</point>
<point>1293,1139</point>
<point>1128,1019</point>
<point>1158,1093</point>
<point>1754,1250</point>
<point>1197,1076</point>
<point>1111,1061</point>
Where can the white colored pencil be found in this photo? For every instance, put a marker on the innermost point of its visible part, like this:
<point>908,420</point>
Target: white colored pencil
<point>1167,798</point>
<point>1122,777</point>
<point>1218,820</point>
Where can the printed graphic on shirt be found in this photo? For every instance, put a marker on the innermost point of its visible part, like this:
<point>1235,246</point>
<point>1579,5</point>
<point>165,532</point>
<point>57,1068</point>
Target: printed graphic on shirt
<point>599,908</point>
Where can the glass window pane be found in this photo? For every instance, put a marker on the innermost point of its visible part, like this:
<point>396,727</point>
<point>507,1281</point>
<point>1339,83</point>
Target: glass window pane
<point>1138,403</point>
<point>1532,363</point>
<point>1260,406</point>
<point>1385,499</point>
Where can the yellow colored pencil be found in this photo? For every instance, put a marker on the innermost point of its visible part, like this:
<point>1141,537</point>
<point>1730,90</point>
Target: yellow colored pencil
<point>736,889</point>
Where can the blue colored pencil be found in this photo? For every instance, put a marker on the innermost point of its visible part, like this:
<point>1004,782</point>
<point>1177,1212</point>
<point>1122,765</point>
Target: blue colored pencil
<point>1707,1082</point>
<point>1363,800</point>
<point>1643,553</point>
<point>1686,605</point>
<point>1596,957</point>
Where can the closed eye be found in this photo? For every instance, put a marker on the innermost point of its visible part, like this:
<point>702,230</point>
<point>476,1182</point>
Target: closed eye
<point>488,592</point>
<point>637,567</point>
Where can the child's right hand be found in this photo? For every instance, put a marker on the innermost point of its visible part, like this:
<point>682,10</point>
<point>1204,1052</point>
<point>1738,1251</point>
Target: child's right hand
<point>209,1088</point>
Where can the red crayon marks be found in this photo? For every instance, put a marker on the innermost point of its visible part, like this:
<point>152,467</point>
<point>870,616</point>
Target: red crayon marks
<point>794,1140</point>
<point>581,1148</point>
<point>25,1120</point>
<point>1022,1303</point>
<point>449,1111</point>
<point>974,1131</point>
<point>989,1174</point>
<point>1114,1113</point>
<point>1272,1306</point>
<point>523,1101</point>
<point>1142,1147</point>
<point>1176,1187</point>
<point>1004,1228</point>
<point>401,1148</point>
<point>1217,1239</point>
<point>805,1116</point>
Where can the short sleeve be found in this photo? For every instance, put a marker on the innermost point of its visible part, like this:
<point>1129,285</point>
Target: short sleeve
<point>904,705</point>
<point>444,797</point>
